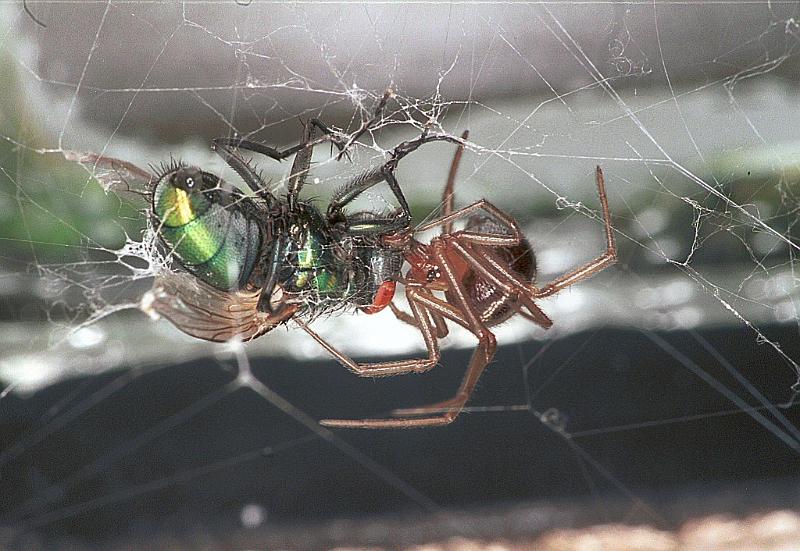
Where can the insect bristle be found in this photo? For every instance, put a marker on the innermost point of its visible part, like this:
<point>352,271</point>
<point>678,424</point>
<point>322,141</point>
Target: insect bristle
<point>164,168</point>
<point>253,166</point>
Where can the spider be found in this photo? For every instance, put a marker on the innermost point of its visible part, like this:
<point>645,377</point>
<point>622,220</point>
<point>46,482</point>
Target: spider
<point>486,273</point>
<point>244,265</point>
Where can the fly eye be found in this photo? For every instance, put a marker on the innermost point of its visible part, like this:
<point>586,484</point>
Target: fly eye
<point>186,179</point>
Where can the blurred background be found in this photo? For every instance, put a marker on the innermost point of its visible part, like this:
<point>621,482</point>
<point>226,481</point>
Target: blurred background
<point>661,398</point>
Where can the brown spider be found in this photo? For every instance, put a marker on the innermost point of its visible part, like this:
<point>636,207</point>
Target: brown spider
<point>486,273</point>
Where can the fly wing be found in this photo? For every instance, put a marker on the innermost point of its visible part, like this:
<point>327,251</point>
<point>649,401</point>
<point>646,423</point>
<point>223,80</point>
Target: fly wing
<point>207,313</point>
<point>120,177</point>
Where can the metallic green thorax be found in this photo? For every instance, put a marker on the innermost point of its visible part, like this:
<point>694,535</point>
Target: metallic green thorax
<point>314,267</point>
<point>215,242</point>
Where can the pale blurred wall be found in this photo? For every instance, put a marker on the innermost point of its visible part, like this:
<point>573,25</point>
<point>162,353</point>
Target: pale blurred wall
<point>121,51</point>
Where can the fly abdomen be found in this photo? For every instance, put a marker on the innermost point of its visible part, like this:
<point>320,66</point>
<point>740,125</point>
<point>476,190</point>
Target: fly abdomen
<point>212,238</point>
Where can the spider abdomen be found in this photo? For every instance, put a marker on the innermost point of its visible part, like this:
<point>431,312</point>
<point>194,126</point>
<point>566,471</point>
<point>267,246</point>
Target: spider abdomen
<point>490,302</point>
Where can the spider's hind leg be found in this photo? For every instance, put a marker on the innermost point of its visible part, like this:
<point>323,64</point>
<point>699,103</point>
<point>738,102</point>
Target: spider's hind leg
<point>448,195</point>
<point>606,259</point>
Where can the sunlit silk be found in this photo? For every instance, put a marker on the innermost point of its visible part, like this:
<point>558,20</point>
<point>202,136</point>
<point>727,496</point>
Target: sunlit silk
<point>216,244</point>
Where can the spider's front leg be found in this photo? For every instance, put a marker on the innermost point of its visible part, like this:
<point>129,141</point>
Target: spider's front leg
<point>512,236</point>
<point>440,326</point>
<point>438,321</point>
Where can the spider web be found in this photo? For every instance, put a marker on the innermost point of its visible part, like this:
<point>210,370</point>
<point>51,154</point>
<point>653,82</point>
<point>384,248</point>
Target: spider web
<point>690,109</point>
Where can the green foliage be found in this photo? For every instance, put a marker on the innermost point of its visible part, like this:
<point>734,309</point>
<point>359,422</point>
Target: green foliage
<point>50,209</point>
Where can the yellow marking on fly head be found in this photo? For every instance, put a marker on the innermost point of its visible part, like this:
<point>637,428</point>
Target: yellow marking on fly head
<point>184,212</point>
<point>176,207</point>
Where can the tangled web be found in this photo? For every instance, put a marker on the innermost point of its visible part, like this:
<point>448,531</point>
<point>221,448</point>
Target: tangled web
<point>688,108</point>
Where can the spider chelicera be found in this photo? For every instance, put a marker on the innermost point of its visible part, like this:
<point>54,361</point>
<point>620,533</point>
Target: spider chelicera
<point>245,265</point>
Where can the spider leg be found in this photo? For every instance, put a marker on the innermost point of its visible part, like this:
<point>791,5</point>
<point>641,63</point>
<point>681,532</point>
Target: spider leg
<point>385,369</point>
<point>445,310</point>
<point>484,352</point>
<point>405,317</point>
<point>534,314</point>
<point>448,195</point>
<point>438,320</point>
<point>608,258</point>
<point>493,269</point>
<point>513,237</point>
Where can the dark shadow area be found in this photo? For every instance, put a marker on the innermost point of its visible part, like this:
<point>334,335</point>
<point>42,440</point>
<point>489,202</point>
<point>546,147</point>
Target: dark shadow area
<point>173,449</point>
